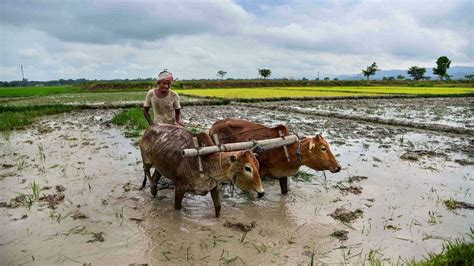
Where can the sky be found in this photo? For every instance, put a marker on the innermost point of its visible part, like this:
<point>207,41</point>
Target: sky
<point>193,39</point>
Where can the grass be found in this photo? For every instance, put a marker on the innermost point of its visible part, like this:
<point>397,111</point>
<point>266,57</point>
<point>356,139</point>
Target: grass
<point>35,91</point>
<point>454,253</point>
<point>27,199</point>
<point>132,118</point>
<point>19,117</point>
<point>302,177</point>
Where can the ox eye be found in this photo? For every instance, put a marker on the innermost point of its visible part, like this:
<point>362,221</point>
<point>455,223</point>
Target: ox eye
<point>323,148</point>
<point>248,168</point>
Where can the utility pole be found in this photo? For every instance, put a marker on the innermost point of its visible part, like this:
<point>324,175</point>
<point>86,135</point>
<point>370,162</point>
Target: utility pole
<point>22,75</point>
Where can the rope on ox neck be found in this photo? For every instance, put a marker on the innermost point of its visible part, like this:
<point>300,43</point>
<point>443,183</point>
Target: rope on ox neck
<point>232,182</point>
<point>298,147</point>
<point>220,163</point>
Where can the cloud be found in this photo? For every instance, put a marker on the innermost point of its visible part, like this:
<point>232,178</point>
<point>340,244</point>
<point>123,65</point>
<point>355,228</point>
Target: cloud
<point>195,39</point>
<point>108,22</point>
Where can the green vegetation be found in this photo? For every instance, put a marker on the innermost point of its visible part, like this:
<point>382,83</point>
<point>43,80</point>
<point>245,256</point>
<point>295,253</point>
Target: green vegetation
<point>443,63</point>
<point>454,253</point>
<point>132,118</point>
<point>295,92</point>
<point>302,177</point>
<point>370,70</point>
<point>18,117</point>
<point>265,73</point>
<point>83,98</point>
<point>417,73</point>
<point>251,93</point>
<point>35,91</point>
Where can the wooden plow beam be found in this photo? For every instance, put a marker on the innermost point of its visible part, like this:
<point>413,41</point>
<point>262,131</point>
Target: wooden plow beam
<point>265,144</point>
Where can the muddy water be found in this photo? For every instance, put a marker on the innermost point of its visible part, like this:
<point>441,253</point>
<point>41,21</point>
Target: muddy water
<point>453,111</point>
<point>401,200</point>
<point>94,163</point>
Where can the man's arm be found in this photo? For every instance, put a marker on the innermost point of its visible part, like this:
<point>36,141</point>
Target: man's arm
<point>177,113</point>
<point>147,115</point>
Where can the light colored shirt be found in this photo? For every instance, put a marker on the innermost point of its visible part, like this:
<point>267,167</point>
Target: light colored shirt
<point>163,108</point>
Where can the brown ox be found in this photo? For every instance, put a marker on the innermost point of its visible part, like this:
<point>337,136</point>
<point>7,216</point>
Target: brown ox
<point>161,147</point>
<point>313,152</point>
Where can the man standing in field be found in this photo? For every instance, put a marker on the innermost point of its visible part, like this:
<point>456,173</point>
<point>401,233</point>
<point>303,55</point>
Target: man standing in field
<point>165,102</point>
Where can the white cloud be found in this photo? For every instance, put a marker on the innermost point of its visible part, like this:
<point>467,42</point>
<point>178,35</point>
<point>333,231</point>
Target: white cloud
<point>195,39</point>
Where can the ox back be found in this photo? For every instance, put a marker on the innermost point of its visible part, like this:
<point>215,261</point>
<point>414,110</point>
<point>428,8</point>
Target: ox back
<point>273,162</point>
<point>161,147</point>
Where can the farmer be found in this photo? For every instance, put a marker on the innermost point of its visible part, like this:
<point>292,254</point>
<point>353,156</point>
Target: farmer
<point>165,102</point>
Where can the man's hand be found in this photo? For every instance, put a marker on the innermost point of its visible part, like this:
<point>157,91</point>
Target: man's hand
<point>180,123</point>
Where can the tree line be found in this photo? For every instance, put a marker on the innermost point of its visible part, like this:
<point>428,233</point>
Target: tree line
<point>417,73</point>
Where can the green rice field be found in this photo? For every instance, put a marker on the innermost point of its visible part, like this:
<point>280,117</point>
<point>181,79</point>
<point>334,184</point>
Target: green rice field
<point>35,91</point>
<point>53,95</point>
<point>279,92</point>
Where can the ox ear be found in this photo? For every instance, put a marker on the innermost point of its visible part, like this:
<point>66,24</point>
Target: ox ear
<point>312,144</point>
<point>250,151</point>
<point>233,158</point>
<point>317,137</point>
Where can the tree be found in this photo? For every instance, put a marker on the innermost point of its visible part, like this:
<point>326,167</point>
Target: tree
<point>370,71</point>
<point>469,77</point>
<point>326,78</point>
<point>417,72</point>
<point>221,73</point>
<point>265,73</point>
<point>442,70</point>
<point>400,77</point>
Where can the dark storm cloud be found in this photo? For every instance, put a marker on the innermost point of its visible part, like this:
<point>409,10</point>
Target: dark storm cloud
<point>115,21</point>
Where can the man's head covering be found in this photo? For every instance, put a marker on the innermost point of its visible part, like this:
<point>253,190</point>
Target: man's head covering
<point>165,75</point>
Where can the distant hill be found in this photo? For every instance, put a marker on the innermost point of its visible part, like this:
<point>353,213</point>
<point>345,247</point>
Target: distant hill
<point>457,72</point>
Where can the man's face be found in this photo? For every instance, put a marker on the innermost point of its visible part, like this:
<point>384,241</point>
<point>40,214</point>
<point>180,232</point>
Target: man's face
<point>165,85</point>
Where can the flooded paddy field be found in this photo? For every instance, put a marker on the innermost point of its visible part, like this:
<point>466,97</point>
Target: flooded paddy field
<point>387,203</point>
<point>90,98</point>
<point>453,111</point>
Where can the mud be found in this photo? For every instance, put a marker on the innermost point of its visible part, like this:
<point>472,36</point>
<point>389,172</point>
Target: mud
<point>453,112</point>
<point>346,216</point>
<point>342,235</point>
<point>453,204</point>
<point>240,226</point>
<point>401,200</point>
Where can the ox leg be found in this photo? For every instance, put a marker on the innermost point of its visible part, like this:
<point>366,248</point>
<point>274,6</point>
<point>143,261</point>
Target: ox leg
<point>216,200</point>
<point>156,177</point>
<point>178,195</point>
<point>283,184</point>
<point>146,170</point>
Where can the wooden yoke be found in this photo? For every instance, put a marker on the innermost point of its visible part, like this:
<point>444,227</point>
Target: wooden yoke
<point>280,133</point>
<point>216,139</point>
<point>265,144</point>
<point>196,145</point>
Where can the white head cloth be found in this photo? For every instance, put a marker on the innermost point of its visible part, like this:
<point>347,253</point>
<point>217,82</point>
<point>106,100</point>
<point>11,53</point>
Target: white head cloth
<point>165,75</point>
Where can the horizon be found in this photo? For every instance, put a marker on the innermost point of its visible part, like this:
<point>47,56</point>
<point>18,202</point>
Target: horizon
<point>428,70</point>
<point>97,39</point>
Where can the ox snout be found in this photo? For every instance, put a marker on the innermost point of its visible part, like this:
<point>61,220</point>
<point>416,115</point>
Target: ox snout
<point>335,169</point>
<point>261,194</point>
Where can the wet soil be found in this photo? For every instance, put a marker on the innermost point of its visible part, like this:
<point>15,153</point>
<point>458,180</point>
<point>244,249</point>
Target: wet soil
<point>452,111</point>
<point>104,218</point>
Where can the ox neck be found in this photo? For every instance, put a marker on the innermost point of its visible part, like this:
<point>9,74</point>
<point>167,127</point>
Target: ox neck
<point>218,164</point>
<point>303,146</point>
